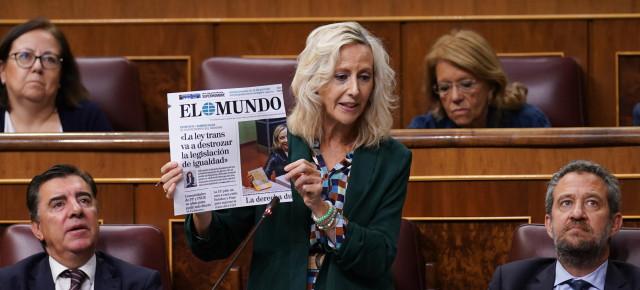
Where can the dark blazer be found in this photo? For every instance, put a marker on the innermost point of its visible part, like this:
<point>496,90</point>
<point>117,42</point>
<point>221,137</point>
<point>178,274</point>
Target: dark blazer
<point>87,118</point>
<point>276,163</point>
<point>34,272</point>
<point>540,273</point>
<point>373,206</point>
<point>528,116</point>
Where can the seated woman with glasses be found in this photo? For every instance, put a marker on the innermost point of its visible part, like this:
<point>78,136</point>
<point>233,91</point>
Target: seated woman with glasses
<point>41,89</point>
<point>467,88</point>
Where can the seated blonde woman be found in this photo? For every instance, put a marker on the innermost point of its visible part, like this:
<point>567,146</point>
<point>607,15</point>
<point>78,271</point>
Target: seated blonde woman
<point>467,88</point>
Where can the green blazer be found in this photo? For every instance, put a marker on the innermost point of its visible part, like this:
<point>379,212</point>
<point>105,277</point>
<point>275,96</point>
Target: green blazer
<point>373,206</point>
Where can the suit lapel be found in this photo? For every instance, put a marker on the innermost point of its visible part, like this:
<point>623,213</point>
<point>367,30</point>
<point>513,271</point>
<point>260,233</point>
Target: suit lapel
<point>106,277</point>
<point>544,280</point>
<point>615,279</point>
<point>362,170</point>
<point>41,275</point>
<point>298,149</point>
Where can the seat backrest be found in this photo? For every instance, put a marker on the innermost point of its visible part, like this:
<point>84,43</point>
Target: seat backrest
<point>554,84</point>
<point>137,244</point>
<point>236,72</point>
<point>112,83</point>
<point>409,266</point>
<point>532,240</point>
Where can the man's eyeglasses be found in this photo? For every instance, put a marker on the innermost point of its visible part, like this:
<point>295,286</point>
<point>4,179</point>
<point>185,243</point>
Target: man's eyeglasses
<point>465,86</point>
<point>27,59</point>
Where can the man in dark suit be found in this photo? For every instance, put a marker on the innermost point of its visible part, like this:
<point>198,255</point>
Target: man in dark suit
<point>583,212</point>
<point>64,217</point>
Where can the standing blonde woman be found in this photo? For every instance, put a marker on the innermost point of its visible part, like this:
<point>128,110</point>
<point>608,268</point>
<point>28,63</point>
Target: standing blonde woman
<point>349,177</point>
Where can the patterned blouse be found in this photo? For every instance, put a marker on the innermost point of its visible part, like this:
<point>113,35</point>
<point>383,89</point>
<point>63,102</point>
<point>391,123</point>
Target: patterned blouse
<point>334,189</point>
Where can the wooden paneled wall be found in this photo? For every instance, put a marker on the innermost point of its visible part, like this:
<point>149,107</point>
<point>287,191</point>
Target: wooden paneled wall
<point>79,9</point>
<point>468,190</point>
<point>169,51</point>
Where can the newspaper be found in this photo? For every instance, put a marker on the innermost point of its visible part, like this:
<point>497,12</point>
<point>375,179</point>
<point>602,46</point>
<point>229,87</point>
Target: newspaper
<point>218,137</point>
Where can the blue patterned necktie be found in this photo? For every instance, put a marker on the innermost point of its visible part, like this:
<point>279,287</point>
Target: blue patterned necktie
<point>578,284</point>
<point>77,276</point>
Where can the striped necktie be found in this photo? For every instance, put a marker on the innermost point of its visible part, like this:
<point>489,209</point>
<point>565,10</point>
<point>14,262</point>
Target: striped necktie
<point>77,276</point>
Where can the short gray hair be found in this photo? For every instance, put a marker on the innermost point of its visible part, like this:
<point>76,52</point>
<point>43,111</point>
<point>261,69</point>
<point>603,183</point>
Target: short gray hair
<point>614,196</point>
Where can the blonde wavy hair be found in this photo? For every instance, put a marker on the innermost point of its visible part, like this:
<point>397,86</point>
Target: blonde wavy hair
<point>472,53</point>
<point>276,133</point>
<point>315,69</point>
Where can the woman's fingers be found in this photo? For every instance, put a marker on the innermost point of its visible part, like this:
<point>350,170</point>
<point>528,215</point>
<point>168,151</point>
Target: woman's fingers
<point>298,168</point>
<point>171,191</point>
<point>305,176</point>
<point>307,180</point>
<point>309,185</point>
<point>168,166</point>
<point>294,164</point>
<point>172,174</point>
<point>170,186</point>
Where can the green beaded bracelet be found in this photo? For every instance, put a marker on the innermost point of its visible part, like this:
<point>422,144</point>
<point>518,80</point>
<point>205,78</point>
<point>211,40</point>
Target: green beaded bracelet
<point>328,221</point>
<point>332,224</point>
<point>325,216</point>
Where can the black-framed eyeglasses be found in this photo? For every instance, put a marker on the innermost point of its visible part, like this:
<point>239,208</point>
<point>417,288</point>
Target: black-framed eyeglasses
<point>26,59</point>
<point>465,86</point>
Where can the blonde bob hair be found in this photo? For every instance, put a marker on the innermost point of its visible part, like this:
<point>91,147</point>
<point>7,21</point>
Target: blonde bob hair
<point>316,68</point>
<point>472,53</point>
<point>276,133</point>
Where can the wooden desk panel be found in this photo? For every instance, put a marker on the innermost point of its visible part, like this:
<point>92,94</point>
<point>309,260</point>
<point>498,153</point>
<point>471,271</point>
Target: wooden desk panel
<point>466,186</point>
<point>517,153</point>
<point>110,157</point>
